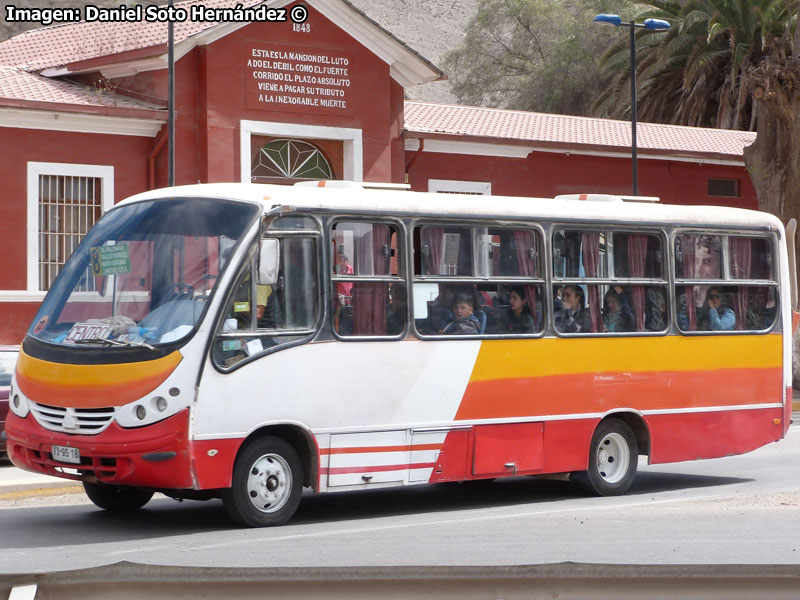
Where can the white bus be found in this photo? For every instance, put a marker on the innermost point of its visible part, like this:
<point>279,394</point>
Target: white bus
<point>247,341</point>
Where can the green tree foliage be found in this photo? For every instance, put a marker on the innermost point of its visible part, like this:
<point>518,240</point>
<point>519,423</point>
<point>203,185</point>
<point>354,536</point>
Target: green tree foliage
<point>699,72</point>
<point>539,55</point>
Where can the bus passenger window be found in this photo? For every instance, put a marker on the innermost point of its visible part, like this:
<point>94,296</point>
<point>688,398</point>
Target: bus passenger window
<point>510,303</point>
<point>261,317</point>
<point>722,287</point>
<point>368,294</point>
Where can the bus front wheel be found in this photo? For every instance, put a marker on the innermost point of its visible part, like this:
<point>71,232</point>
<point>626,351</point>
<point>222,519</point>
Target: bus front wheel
<point>613,457</point>
<point>267,483</point>
<point>115,497</point>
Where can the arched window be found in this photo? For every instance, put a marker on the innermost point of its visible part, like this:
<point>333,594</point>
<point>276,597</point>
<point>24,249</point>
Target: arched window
<point>290,159</point>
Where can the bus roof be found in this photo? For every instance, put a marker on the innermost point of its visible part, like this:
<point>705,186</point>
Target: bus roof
<point>391,202</point>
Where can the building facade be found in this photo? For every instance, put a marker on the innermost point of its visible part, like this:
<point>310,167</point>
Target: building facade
<point>83,125</point>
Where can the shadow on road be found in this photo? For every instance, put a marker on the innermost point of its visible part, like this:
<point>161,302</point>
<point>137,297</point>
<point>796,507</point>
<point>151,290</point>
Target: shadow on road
<point>162,518</point>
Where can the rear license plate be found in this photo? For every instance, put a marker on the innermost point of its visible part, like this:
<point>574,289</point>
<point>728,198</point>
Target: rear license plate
<point>66,454</point>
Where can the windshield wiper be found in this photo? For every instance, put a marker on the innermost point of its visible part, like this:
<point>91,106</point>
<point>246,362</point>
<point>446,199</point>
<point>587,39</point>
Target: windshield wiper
<point>107,342</point>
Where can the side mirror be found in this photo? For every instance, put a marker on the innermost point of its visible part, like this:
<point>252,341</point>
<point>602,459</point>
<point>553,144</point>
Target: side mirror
<point>268,260</point>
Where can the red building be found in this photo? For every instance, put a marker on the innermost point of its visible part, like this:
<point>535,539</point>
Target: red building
<point>83,125</point>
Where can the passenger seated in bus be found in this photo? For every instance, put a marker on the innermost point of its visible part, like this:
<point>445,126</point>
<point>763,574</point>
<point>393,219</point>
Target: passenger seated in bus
<point>465,322</point>
<point>573,317</point>
<point>517,317</point>
<point>715,314</point>
<point>617,314</point>
<point>440,311</point>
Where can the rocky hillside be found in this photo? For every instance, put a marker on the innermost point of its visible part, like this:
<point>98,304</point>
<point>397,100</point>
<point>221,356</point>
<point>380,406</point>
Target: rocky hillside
<point>431,27</point>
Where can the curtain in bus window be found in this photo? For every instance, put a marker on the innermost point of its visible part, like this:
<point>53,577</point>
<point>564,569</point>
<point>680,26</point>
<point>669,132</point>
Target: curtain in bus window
<point>686,244</point>
<point>369,299</point>
<point>590,240</point>
<point>431,238</point>
<point>762,300</point>
<point>637,256</point>
<point>526,261</point>
<point>740,261</point>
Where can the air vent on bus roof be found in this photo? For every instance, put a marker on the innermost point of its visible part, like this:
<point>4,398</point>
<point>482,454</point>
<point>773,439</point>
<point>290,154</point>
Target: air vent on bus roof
<point>607,198</point>
<point>365,185</point>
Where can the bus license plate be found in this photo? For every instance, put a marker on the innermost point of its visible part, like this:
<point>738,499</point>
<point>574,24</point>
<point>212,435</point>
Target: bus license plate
<point>66,454</point>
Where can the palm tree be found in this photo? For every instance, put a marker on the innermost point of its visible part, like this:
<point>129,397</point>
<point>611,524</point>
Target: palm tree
<point>699,71</point>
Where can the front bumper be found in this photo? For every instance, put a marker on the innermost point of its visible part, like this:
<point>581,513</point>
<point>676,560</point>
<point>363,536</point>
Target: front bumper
<point>155,456</point>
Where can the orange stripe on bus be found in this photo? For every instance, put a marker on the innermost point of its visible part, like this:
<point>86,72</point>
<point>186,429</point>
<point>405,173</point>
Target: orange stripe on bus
<point>600,392</point>
<point>511,359</point>
<point>91,386</point>
<point>370,449</point>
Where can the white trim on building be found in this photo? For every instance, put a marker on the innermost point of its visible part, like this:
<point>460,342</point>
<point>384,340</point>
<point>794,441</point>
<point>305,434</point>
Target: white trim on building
<point>516,151</point>
<point>351,138</point>
<point>78,122</point>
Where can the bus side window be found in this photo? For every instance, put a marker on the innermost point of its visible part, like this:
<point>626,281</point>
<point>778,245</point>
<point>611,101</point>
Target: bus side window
<point>722,287</point>
<point>261,317</point>
<point>369,296</point>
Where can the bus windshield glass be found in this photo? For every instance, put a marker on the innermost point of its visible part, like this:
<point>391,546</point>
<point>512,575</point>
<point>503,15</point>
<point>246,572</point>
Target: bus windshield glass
<point>144,274</point>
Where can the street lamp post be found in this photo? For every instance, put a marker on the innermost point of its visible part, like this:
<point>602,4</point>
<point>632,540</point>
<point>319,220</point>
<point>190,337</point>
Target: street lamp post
<point>652,25</point>
<point>170,99</point>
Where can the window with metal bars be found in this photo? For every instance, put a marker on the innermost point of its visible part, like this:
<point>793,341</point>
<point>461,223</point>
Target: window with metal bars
<point>726,188</point>
<point>68,207</point>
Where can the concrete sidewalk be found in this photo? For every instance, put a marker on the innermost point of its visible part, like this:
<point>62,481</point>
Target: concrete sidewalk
<point>16,483</point>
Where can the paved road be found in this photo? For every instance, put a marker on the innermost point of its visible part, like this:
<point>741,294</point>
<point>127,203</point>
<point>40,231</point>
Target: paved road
<point>743,509</point>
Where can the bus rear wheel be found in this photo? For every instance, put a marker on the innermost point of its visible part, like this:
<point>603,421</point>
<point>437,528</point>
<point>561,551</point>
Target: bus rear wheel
<point>267,483</point>
<point>613,457</point>
<point>116,497</point>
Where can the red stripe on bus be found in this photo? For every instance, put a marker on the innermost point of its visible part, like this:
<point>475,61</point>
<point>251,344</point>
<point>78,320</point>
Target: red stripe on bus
<point>373,469</point>
<point>600,392</point>
<point>370,449</point>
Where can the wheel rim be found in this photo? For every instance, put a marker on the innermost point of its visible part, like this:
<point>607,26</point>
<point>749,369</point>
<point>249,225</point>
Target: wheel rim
<point>613,458</point>
<point>269,483</point>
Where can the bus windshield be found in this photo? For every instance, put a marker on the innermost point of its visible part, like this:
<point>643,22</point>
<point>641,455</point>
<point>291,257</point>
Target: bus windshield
<point>143,275</point>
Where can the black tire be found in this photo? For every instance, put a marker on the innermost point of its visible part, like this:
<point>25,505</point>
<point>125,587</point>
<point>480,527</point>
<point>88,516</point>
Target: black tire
<point>613,458</point>
<point>267,483</point>
<point>117,497</point>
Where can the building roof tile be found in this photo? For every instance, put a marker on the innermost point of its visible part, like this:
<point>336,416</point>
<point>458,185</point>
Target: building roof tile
<point>545,129</point>
<point>59,45</point>
<point>17,85</point>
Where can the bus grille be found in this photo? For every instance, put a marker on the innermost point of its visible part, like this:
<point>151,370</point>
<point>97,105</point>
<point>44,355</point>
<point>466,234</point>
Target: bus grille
<point>86,421</point>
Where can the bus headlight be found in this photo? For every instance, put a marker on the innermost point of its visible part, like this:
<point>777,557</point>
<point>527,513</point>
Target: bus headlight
<point>17,402</point>
<point>160,403</point>
<point>141,412</point>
